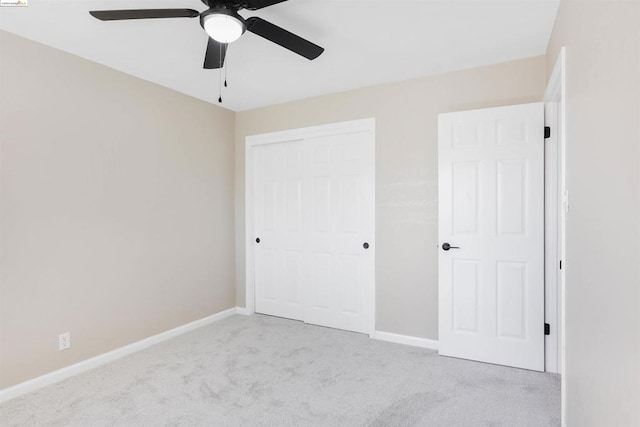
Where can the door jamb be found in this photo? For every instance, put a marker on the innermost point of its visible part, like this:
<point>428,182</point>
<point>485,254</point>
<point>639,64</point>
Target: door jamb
<point>340,128</point>
<point>555,98</point>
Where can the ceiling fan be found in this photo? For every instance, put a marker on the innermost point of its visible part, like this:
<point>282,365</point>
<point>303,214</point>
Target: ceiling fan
<point>224,25</point>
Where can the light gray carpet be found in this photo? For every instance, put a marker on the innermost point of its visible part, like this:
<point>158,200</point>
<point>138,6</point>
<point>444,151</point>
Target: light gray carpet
<point>266,371</point>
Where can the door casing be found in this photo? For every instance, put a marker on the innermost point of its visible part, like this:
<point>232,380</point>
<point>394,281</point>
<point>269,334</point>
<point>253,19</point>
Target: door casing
<point>555,246</point>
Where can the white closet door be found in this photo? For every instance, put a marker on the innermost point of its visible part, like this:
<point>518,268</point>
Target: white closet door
<point>339,213</point>
<point>278,223</point>
<point>491,211</point>
<point>314,216</point>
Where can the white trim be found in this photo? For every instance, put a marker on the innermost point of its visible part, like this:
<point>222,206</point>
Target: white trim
<point>551,229</point>
<point>340,128</point>
<point>104,358</point>
<point>243,311</point>
<point>556,93</point>
<point>405,339</point>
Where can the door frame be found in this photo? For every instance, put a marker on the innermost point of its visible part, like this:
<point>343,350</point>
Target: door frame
<point>354,126</point>
<point>556,208</point>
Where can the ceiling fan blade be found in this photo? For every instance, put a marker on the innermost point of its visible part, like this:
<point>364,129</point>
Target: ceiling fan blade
<point>216,52</point>
<point>117,15</point>
<point>284,38</point>
<point>258,4</point>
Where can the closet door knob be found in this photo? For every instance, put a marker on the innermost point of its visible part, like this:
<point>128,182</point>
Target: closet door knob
<point>446,246</point>
<point>365,245</point>
<point>258,240</point>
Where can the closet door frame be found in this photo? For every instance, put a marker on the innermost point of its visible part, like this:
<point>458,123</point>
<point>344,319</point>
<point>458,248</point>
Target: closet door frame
<point>302,134</point>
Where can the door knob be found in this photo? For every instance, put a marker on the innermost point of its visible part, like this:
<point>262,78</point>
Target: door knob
<point>258,240</point>
<point>365,245</point>
<point>446,246</point>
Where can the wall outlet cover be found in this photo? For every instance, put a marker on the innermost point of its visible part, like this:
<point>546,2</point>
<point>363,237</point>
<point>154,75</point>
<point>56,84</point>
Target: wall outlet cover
<point>64,341</point>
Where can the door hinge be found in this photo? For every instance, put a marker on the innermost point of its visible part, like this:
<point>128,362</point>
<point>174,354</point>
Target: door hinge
<point>547,329</point>
<point>547,132</point>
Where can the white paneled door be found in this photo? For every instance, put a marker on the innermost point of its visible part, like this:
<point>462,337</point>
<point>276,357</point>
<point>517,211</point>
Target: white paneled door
<point>278,222</point>
<point>314,218</point>
<point>340,223</point>
<point>491,231</point>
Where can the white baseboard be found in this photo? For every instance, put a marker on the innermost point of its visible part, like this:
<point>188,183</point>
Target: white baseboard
<point>243,311</point>
<point>101,359</point>
<point>405,339</point>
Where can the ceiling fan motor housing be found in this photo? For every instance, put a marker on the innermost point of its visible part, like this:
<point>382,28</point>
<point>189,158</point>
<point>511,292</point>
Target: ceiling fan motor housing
<point>229,4</point>
<point>215,18</point>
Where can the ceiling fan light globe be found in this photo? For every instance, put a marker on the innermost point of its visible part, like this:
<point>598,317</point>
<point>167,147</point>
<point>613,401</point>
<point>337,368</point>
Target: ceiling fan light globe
<point>223,28</point>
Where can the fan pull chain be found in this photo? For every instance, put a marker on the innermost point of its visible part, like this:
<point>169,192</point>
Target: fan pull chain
<point>220,88</point>
<point>220,79</point>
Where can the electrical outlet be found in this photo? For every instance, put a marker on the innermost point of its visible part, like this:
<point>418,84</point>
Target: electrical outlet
<point>64,341</point>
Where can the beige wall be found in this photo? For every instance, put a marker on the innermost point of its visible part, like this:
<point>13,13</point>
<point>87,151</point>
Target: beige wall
<point>603,229</point>
<point>406,172</point>
<point>116,205</point>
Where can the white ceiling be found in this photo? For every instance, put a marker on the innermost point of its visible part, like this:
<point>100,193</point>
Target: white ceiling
<point>366,42</point>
